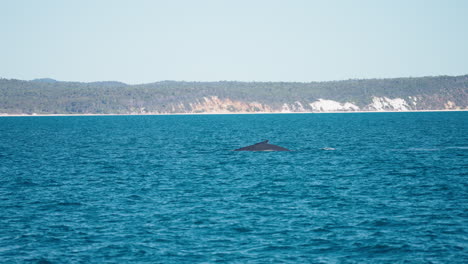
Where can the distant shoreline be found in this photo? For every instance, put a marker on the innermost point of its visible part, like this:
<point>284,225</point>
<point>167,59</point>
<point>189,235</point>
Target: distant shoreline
<point>233,113</point>
<point>57,98</point>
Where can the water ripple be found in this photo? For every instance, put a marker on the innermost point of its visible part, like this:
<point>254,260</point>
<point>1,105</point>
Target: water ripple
<point>360,188</point>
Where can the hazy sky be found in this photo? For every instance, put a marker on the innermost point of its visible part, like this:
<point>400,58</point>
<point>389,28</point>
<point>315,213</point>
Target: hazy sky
<point>144,41</point>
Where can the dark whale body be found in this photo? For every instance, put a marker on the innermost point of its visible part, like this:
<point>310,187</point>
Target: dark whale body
<point>262,146</point>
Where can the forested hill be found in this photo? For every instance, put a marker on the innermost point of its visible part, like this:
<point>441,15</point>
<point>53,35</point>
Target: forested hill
<point>47,96</point>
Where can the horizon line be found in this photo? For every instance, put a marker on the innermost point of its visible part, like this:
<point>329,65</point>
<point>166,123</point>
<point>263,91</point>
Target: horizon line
<point>253,81</point>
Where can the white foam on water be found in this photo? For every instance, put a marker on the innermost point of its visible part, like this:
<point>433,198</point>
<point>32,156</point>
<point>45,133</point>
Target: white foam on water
<point>423,149</point>
<point>456,147</point>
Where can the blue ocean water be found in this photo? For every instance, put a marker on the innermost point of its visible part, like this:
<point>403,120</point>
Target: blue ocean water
<point>391,188</point>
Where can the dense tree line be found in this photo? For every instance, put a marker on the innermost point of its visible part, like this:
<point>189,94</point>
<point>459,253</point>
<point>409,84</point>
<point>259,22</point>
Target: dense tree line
<point>47,96</point>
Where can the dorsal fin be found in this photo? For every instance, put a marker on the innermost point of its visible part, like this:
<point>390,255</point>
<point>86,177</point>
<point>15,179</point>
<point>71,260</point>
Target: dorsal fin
<point>263,142</point>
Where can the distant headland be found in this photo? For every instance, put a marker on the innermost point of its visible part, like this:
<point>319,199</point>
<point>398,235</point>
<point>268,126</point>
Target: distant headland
<point>51,97</point>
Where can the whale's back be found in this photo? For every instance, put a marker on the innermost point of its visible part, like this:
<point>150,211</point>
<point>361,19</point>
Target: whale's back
<point>262,146</point>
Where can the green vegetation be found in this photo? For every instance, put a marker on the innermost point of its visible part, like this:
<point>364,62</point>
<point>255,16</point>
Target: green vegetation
<point>47,96</point>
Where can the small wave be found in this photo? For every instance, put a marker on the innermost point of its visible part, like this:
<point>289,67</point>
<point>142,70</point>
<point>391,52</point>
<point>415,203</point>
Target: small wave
<point>69,204</point>
<point>242,229</point>
<point>26,182</point>
<point>382,248</point>
<point>41,261</point>
<point>134,197</point>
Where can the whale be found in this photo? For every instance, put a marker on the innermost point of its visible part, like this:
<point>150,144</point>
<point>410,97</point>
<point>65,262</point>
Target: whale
<point>262,146</point>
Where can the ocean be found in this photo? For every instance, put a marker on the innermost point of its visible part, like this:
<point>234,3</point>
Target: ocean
<point>357,188</point>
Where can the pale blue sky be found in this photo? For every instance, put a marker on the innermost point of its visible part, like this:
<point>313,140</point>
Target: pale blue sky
<point>246,40</point>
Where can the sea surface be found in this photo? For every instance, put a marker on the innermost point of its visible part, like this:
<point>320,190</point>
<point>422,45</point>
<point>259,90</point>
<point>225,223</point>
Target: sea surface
<point>387,188</point>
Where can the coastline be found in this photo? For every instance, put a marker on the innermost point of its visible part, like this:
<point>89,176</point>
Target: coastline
<point>230,113</point>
